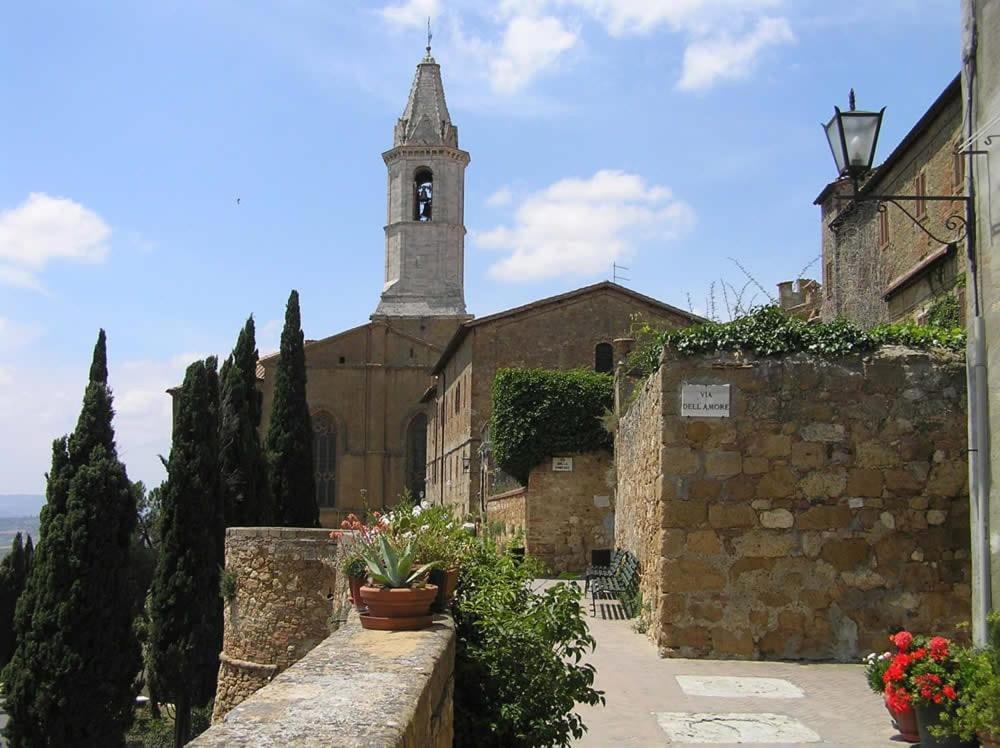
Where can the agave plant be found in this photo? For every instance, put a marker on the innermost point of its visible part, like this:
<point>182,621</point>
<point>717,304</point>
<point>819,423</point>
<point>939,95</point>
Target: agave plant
<point>391,567</point>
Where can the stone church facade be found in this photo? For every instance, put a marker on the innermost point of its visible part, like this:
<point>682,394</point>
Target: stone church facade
<point>371,388</point>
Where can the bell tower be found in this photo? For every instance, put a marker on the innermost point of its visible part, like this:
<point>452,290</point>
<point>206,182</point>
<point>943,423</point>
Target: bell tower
<point>425,228</point>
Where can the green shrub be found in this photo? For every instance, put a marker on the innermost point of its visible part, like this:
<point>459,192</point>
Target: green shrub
<point>769,331</point>
<point>538,413</point>
<point>518,671</point>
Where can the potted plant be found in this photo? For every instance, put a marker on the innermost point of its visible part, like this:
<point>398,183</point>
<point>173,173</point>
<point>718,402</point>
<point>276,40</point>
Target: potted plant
<point>978,711</point>
<point>352,537</point>
<point>398,599</point>
<point>900,710</point>
<point>926,674</point>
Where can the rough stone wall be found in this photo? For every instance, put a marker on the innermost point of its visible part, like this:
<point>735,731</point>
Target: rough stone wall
<point>639,474</point>
<point>357,689</point>
<point>831,505</point>
<point>509,509</point>
<point>286,592</point>
<point>569,514</point>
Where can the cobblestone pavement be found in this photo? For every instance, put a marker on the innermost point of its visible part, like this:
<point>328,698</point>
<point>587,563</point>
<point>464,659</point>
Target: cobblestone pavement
<point>654,702</point>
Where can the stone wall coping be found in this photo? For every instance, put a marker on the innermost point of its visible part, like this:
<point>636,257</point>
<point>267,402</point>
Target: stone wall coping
<point>507,494</point>
<point>356,688</point>
<point>284,533</point>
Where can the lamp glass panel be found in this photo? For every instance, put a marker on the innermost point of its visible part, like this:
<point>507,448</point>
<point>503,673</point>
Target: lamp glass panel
<point>859,135</point>
<point>833,137</point>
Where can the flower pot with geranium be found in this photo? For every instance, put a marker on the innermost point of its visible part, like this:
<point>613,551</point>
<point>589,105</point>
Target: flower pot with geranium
<point>978,711</point>
<point>904,720</point>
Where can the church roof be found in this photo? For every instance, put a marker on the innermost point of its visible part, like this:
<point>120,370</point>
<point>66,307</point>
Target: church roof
<point>425,120</point>
<point>465,327</point>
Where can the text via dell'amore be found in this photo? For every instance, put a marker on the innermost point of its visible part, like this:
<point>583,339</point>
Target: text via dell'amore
<point>705,400</point>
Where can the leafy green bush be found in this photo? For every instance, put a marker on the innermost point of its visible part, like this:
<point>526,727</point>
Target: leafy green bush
<point>518,674</point>
<point>769,331</point>
<point>538,413</point>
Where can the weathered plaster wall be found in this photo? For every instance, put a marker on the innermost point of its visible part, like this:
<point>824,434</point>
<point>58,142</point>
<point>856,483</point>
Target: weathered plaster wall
<point>357,689</point>
<point>831,505</point>
<point>287,589</point>
<point>508,508</point>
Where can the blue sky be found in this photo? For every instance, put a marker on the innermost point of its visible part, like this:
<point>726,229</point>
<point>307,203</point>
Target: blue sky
<point>669,135</point>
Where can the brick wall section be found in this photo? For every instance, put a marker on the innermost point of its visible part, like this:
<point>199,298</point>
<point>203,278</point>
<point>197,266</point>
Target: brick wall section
<point>569,514</point>
<point>281,609</point>
<point>357,689</point>
<point>831,506</point>
<point>639,473</point>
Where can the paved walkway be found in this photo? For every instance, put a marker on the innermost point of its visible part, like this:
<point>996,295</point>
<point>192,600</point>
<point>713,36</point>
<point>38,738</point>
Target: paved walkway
<point>655,702</point>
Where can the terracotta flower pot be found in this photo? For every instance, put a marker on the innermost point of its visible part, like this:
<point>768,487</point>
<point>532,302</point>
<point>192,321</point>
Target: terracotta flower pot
<point>355,584</point>
<point>989,740</point>
<point>402,602</point>
<point>904,721</point>
<point>446,581</point>
<point>928,717</point>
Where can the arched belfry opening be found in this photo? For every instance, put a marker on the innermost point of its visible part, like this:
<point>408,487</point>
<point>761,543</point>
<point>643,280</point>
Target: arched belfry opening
<point>423,194</point>
<point>416,455</point>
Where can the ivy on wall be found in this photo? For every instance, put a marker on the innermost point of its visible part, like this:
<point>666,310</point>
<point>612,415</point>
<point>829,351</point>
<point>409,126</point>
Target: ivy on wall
<point>769,331</point>
<point>540,412</point>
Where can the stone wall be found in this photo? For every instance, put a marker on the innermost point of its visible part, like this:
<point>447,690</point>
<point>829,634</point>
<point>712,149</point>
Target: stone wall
<point>639,473</point>
<point>563,514</point>
<point>357,689</point>
<point>286,595</point>
<point>829,507</point>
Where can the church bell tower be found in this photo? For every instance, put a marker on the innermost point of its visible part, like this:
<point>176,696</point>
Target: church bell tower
<point>425,229</point>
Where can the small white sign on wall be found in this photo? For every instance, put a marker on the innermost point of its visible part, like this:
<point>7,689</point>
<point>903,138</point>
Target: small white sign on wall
<point>602,501</point>
<point>705,400</point>
<point>562,464</point>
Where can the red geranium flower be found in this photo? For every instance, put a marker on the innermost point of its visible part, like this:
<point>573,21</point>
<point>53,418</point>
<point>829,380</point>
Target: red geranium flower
<point>903,640</point>
<point>939,648</point>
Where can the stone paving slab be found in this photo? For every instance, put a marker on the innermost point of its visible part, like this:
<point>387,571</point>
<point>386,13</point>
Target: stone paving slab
<point>641,687</point>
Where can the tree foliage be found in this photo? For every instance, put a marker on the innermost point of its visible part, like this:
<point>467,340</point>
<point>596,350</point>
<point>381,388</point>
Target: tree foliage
<point>14,570</point>
<point>185,632</point>
<point>71,678</point>
<point>539,412</point>
<point>290,434</point>
<point>241,459</point>
<point>769,331</point>
<point>518,661</point>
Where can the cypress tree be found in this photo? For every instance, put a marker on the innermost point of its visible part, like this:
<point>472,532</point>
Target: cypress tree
<point>244,470</point>
<point>71,679</point>
<point>290,436</point>
<point>29,556</point>
<point>185,634</point>
<point>13,572</point>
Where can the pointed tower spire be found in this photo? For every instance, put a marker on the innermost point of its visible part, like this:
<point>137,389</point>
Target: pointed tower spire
<point>425,120</point>
<point>425,231</point>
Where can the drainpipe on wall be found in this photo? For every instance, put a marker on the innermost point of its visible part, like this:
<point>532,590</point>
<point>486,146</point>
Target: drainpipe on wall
<point>978,387</point>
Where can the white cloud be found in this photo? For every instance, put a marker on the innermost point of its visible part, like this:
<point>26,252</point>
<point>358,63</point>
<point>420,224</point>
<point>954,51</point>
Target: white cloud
<point>581,226</point>
<point>43,229</point>
<point>412,13</point>
<point>530,46</point>
<point>621,17</point>
<point>501,197</point>
<point>723,57</point>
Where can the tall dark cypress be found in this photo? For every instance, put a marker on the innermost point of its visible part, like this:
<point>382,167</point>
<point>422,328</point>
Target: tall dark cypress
<point>13,573</point>
<point>185,634</point>
<point>71,678</point>
<point>241,458</point>
<point>290,435</point>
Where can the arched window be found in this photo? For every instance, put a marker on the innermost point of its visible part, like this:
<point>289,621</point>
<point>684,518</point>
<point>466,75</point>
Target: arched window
<point>604,358</point>
<point>416,455</point>
<point>325,459</point>
<point>423,194</point>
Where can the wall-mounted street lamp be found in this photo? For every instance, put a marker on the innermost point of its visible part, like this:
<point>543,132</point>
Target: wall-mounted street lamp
<point>853,138</point>
<point>466,464</point>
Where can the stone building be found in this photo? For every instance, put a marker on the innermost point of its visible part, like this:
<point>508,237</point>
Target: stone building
<point>367,387</point>
<point>364,384</point>
<point>878,265</point>
<point>571,330</point>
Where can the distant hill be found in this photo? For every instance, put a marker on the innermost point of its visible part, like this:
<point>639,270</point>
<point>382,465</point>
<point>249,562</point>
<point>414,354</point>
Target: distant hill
<point>20,504</point>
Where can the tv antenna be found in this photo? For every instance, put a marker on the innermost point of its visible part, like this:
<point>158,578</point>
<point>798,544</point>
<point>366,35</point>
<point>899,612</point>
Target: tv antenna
<point>617,273</point>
